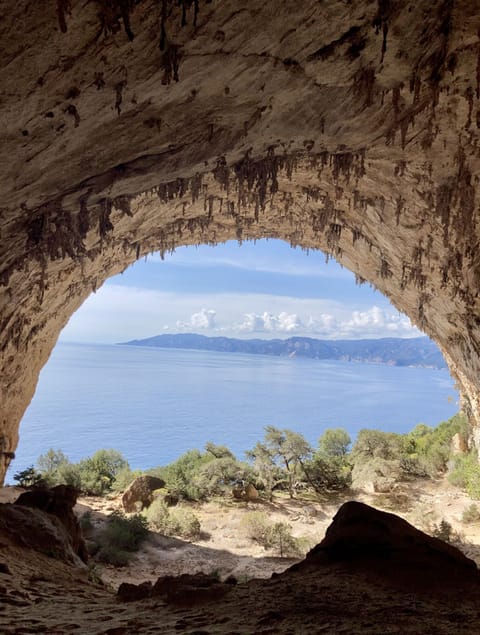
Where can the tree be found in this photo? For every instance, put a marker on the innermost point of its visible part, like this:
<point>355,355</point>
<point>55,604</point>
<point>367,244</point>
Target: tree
<point>377,444</point>
<point>50,464</point>
<point>334,442</point>
<point>281,448</point>
<point>99,471</point>
<point>264,464</point>
<point>28,477</point>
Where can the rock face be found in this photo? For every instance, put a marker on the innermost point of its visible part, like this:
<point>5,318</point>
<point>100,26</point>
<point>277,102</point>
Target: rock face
<point>386,546</point>
<point>137,126</point>
<point>35,529</point>
<point>58,501</point>
<point>141,491</point>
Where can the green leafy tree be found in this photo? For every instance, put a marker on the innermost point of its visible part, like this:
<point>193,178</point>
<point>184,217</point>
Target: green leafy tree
<point>216,476</point>
<point>334,442</point>
<point>180,475</point>
<point>28,477</point>
<point>99,471</point>
<point>372,444</point>
<point>268,472</point>
<point>281,448</point>
<point>50,466</point>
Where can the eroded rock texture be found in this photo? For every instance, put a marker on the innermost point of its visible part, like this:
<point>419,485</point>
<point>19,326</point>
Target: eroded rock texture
<point>138,125</point>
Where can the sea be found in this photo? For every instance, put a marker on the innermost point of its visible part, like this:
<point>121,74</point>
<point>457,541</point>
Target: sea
<point>153,404</point>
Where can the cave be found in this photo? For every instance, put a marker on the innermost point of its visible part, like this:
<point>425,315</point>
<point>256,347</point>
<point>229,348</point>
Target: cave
<point>133,126</point>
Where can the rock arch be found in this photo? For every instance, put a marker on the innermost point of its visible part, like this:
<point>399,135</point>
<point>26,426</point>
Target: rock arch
<point>141,125</point>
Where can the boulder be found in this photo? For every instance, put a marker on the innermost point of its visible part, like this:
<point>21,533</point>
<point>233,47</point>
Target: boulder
<point>190,589</point>
<point>141,491</point>
<point>382,545</point>
<point>58,501</point>
<point>36,529</point>
<point>245,492</point>
<point>128,592</point>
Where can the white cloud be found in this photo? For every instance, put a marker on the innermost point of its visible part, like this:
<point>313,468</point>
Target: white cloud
<point>117,313</point>
<point>204,319</point>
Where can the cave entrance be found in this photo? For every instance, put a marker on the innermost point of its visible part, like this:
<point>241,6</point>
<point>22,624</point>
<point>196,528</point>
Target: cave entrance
<point>153,404</point>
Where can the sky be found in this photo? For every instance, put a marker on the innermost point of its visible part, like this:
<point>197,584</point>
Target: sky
<point>264,289</point>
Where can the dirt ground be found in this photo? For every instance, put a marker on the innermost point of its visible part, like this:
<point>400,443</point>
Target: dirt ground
<point>39,594</point>
<point>225,549</point>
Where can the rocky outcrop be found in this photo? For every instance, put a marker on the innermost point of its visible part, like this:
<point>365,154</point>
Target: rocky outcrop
<point>139,494</point>
<point>58,501</point>
<point>383,545</point>
<point>130,127</point>
<point>35,529</point>
<point>185,590</point>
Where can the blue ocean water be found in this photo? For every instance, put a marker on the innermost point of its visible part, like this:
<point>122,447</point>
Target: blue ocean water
<point>153,404</point>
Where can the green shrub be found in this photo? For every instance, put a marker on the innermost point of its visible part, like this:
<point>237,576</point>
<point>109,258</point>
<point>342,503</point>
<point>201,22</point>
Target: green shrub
<point>466,474</point>
<point>471,514</point>
<point>186,523</point>
<point>331,473</point>
<point>444,531</point>
<point>98,472</point>
<point>280,539</point>
<point>178,522</point>
<point>121,537</point>
<point>277,536</point>
<point>256,526</point>
<point>372,444</point>
<point>69,474</point>
<point>109,554</point>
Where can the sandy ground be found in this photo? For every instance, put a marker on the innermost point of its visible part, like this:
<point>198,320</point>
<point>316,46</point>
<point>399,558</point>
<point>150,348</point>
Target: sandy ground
<point>225,549</point>
<point>39,594</point>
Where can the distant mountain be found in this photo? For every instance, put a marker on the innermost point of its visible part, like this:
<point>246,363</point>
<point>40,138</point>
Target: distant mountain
<point>418,351</point>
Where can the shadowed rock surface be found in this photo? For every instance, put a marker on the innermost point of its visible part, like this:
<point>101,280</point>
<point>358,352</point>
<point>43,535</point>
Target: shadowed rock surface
<point>360,579</point>
<point>381,544</point>
<point>58,501</point>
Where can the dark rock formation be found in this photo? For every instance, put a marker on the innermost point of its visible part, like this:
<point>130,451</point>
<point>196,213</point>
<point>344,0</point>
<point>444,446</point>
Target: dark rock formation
<point>382,545</point>
<point>140,493</point>
<point>35,529</point>
<point>128,592</point>
<point>130,127</point>
<point>58,501</point>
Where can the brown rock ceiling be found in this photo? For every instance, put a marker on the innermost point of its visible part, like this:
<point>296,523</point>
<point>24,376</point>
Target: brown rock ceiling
<point>137,125</point>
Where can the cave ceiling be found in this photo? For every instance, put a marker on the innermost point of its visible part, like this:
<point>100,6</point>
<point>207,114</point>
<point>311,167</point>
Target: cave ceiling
<point>130,126</point>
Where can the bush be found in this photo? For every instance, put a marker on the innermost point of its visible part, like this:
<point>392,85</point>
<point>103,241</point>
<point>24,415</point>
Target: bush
<point>99,471</point>
<point>444,531</point>
<point>334,442</point>
<point>256,526</point>
<point>371,444</point>
<point>331,473</point>
<point>121,537</point>
<point>179,522</point>
<point>277,536</point>
<point>280,539</point>
<point>466,474</point>
<point>85,521</point>
<point>114,556</point>
<point>471,514</point>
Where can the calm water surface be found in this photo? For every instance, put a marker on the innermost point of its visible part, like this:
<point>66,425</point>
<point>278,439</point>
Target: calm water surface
<point>154,404</point>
